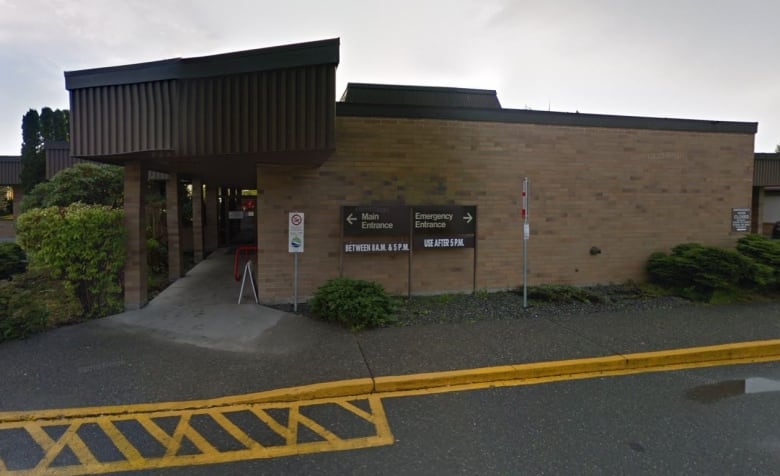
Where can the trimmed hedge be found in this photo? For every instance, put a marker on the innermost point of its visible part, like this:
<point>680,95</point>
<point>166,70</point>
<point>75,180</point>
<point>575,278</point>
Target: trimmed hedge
<point>355,303</point>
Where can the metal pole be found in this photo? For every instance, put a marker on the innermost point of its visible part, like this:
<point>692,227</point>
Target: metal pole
<point>525,242</point>
<point>295,284</point>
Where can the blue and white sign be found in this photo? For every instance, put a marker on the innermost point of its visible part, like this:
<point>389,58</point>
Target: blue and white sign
<point>295,233</point>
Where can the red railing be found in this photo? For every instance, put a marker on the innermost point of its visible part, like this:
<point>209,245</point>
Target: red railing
<point>243,253</point>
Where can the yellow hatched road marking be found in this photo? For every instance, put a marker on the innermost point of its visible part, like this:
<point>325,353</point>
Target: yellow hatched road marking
<point>282,431</point>
<point>236,432</point>
<point>207,451</point>
<point>122,444</point>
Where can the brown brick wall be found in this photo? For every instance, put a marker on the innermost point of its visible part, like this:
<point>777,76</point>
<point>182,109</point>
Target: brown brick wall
<point>627,192</point>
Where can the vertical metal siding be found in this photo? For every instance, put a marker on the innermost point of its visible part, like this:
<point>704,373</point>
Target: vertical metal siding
<point>10,170</point>
<point>766,171</point>
<point>111,120</point>
<point>58,159</point>
<point>271,111</point>
<point>245,114</point>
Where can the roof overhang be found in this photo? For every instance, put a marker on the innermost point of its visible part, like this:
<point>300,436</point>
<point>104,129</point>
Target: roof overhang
<point>261,59</point>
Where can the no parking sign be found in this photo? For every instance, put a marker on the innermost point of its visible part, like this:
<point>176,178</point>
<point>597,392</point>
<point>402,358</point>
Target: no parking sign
<point>295,233</point>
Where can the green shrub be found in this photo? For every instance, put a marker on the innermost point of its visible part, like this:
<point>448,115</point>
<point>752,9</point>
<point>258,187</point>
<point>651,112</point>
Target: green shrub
<point>763,250</point>
<point>86,182</point>
<point>696,271</point>
<point>34,301</point>
<point>83,244</point>
<point>12,260</point>
<point>354,303</point>
<point>562,294</point>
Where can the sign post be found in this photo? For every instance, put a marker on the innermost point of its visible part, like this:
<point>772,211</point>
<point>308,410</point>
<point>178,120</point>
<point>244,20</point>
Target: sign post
<point>526,235</point>
<point>295,246</point>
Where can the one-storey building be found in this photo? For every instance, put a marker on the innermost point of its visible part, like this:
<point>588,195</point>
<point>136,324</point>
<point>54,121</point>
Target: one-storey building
<point>417,188</point>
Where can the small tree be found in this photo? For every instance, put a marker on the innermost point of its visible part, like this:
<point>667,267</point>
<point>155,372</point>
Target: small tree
<point>49,125</point>
<point>33,164</point>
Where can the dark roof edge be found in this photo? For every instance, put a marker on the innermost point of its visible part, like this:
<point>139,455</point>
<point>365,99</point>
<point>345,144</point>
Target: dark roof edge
<point>399,87</point>
<point>543,117</point>
<point>262,59</point>
<point>767,155</point>
<point>10,158</point>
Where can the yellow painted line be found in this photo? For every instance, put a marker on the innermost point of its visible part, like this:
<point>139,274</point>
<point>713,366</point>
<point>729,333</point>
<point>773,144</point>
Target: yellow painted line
<point>480,385</point>
<point>743,352</point>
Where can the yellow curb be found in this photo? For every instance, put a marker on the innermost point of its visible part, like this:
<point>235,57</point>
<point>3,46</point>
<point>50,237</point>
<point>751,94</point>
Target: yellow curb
<point>593,365</point>
<point>714,353</point>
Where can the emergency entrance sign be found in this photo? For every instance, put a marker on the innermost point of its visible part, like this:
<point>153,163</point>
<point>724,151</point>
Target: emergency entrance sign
<point>295,233</point>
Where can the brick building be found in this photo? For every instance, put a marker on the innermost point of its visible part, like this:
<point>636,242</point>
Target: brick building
<point>606,191</point>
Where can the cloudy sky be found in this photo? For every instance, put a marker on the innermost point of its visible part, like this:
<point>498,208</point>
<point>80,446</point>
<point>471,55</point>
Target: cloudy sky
<point>698,59</point>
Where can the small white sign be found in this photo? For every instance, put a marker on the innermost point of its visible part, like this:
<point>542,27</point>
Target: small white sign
<point>526,231</point>
<point>295,233</point>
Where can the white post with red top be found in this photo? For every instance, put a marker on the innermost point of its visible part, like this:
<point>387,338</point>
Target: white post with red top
<point>526,235</point>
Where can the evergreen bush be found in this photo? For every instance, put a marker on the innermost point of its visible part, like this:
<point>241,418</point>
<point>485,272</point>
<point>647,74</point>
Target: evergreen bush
<point>763,250</point>
<point>12,260</point>
<point>560,293</point>
<point>357,304</point>
<point>86,182</point>
<point>35,301</point>
<point>696,271</point>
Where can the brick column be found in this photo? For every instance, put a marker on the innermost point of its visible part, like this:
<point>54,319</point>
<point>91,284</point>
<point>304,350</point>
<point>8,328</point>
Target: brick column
<point>197,219</point>
<point>212,220</point>
<point>135,225</point>
<point>173,219</point>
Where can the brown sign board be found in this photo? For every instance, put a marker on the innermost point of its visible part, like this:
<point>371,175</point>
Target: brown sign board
<point>370,220</point>
<point>444,220</point>
<point>428,226</point>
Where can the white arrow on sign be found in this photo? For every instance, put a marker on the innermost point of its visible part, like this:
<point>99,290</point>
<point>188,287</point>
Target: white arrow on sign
<point>351,219</point>
<point>468,217</point>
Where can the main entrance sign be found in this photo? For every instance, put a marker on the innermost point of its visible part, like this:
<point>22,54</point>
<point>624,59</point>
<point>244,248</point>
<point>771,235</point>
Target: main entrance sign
<point>375,220</point>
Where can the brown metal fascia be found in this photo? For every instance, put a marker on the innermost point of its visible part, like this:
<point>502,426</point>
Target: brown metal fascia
<point>263,59</point>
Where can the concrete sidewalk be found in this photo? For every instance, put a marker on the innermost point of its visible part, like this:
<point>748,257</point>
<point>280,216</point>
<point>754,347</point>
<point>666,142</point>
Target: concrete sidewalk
<point>195,342</point>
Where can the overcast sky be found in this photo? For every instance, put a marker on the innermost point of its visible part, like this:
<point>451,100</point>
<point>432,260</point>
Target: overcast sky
<point>698,59</point>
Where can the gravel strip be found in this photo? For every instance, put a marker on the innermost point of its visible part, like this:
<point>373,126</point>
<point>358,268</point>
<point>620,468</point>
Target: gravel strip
<point>454,308</point>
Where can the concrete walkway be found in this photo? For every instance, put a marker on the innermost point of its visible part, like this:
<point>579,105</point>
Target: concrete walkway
<point>202,309</point>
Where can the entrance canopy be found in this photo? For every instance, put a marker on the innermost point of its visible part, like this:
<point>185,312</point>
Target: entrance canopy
<point>214,117</point>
